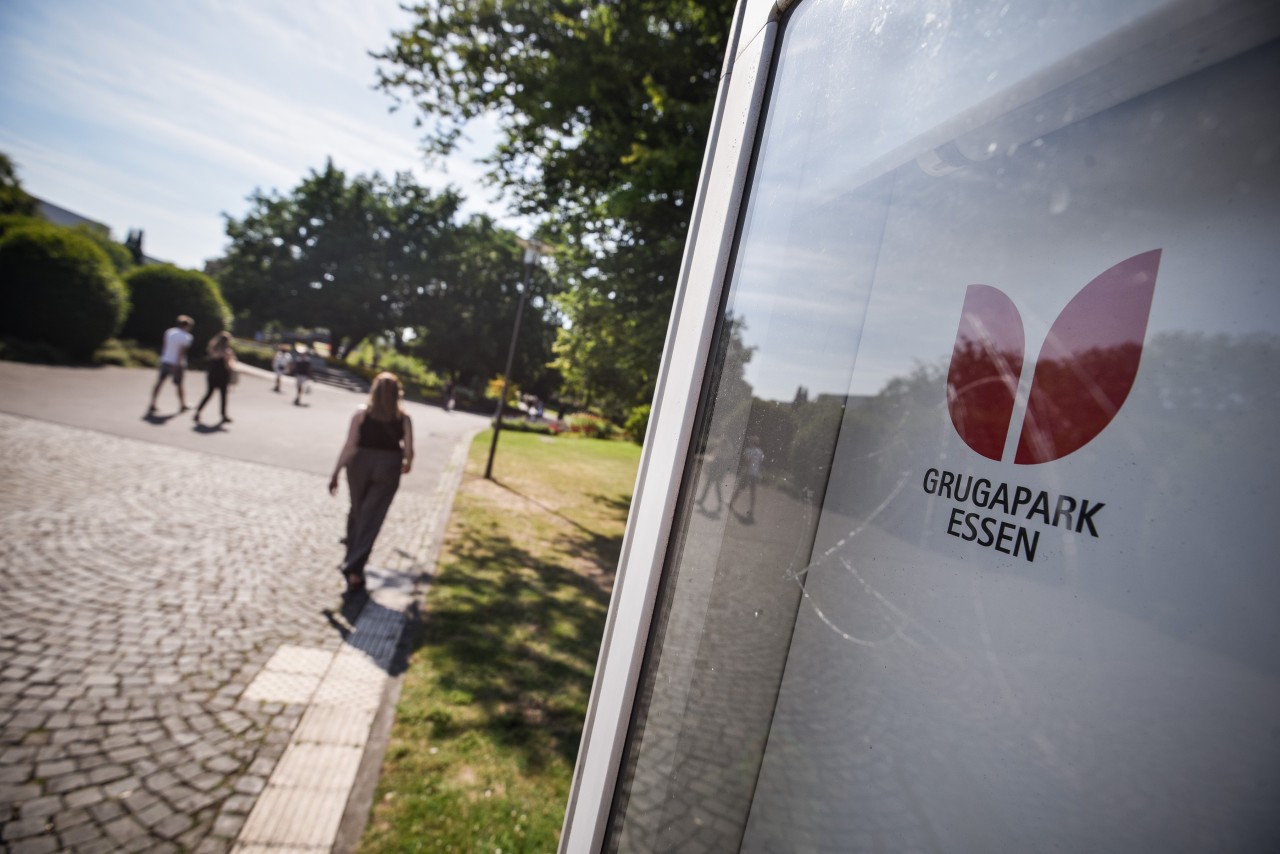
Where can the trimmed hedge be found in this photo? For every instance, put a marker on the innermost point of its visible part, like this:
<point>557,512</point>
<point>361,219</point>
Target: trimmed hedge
<point>161,292</point>
<point>58,288</point>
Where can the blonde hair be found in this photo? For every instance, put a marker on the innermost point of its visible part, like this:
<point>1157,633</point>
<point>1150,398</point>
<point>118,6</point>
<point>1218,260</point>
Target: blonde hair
<point>384,397</point>
<point>219,343</point>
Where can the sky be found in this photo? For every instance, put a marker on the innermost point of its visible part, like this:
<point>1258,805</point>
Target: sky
<point>164,116</point>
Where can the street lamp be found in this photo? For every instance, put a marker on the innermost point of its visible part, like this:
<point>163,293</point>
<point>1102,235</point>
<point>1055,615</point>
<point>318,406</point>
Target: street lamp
<point>533,250</point>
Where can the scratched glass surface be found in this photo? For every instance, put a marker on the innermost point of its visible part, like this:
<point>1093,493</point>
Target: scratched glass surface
<point>976,549</point>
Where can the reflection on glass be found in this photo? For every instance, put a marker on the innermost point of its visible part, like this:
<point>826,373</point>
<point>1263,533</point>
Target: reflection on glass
<point>837,664</point>
<point>986,364</point>
<point>1089,361</point>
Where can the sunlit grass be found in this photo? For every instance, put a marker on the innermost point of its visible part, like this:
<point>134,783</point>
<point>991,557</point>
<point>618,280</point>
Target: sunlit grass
<point>491,712</point>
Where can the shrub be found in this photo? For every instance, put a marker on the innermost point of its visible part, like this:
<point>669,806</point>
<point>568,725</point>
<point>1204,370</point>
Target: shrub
<point>589,425</point>
<point>638,423</point>
<point>161,292</point>
<point>11,221</point>
<point>420,383</point>
<point>58,288</point>
<point>33,352</point>
<point>255,353</point>
<point>126,354</point>
<point>17,209</point>
<point>119,255</point>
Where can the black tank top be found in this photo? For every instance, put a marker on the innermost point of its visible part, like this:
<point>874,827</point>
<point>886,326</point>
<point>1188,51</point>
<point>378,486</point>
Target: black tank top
<point>381,435</point>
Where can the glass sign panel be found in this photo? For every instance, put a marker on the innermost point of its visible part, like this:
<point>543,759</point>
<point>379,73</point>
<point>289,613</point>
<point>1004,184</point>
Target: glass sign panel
<point>975,551</point>
<point>1039,614</point>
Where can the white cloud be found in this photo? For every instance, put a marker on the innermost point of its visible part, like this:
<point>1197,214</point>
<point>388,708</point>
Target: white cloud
<point>162,116</point>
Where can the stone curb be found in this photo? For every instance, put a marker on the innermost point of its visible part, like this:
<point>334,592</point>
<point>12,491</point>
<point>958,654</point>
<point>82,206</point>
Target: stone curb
<point>319,795</point>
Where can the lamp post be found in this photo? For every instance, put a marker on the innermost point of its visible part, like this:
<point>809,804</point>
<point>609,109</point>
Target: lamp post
<point>533,250</point>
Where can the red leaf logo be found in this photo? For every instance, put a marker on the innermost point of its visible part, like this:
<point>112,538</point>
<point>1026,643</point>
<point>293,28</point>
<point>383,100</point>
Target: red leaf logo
<point>1089,361</point>
<point>985,366</point>
<point>1084,374</point>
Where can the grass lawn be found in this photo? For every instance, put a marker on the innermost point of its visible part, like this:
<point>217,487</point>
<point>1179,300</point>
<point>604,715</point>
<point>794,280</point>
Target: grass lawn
<point>487,729</point>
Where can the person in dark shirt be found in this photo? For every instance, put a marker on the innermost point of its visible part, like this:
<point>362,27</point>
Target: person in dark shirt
<point>219,373</point>
<point>378,450</point>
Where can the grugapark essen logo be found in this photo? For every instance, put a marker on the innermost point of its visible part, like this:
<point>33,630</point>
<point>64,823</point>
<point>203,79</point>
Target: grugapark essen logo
<point>1085,371</point>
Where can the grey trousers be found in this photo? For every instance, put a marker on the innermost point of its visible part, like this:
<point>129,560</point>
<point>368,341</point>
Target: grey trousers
<point>373,477</point>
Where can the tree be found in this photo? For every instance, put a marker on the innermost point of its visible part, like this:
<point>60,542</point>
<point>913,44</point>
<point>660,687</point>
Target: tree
<point>58,289</point>
<point>161,292</point>
<point>464,322</point>
<point>367,257</point>
<point>343,254</point>
<point>603,111</point>
<point>597,356</point>
<point>13,199</point>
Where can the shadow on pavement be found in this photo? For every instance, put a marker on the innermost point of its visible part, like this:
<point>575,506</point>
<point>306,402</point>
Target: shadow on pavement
<point>340,621</point>
<point>380,633</point>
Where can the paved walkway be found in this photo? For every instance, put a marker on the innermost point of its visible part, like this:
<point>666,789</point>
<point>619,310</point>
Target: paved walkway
<point>175,669</point>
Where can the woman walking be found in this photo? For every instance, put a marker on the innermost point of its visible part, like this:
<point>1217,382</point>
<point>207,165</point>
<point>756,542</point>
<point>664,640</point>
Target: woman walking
<point>379,448</point>
<point>218,373</point>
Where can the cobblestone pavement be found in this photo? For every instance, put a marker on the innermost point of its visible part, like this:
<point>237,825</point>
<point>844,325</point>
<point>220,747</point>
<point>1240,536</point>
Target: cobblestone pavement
<point>144,589</point>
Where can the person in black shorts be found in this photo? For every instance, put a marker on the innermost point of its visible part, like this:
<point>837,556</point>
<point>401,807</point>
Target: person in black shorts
<point>173,360</point>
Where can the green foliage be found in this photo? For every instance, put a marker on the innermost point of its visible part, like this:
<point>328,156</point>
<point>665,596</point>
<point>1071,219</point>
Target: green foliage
<point>345,254</point>
<point>419,381</point>
<point>604,355</point>
<point>126,354</point>
<point>17,209</point>
<point>590,425</point>
<point>32,352</point>
<point>120,257</point>
<point>13,199</point>
<point>464,324</point>
<point>637,423</point>
<point>367,258</point>
<point>254,353</point>
<point>161,292</point>
<point>9,222</point>
<point>603,114</point>
<point>58,288</point>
